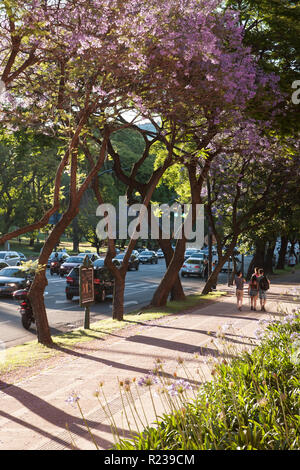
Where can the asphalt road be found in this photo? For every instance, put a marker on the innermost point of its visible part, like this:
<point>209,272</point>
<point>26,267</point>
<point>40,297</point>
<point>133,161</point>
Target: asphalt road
<point>64,314</point>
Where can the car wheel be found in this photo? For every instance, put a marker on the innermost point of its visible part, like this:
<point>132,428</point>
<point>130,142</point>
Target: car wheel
<point>69,296</point>
<point>103,296</point>
<point>26,322</point>
<point>51,272</point>
<point>182,275</point>
<point>156,261</point>
<point>137,267</point>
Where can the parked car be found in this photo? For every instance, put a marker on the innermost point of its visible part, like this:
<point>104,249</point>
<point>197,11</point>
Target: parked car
<point>103,283</point>
<point>22,256</point>
<point>188,253</point>
<point>61,255</point>
<point>149,257</point>
<point>199,255</point>
<point>192,267</point>
<point>134,261</point>
<point>229,266</point>
<point>70,263</point>
<point>160,253</point>
<point>9,258</point>
<point>12,278</point>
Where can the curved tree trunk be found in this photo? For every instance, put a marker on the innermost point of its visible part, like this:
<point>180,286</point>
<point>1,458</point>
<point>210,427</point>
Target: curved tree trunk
<point>36,293</point>
<point>118,298</point>
<point>213,279</point>
<point>161,294</point>
<point>177,292</point>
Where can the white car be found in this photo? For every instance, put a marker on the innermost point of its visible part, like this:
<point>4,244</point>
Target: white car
<point>229,266</point>
<point>9,258</point>
<point>193,266</point>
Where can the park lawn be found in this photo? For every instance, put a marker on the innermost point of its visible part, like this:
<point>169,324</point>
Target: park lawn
<point>32,353</point>
<point>286,270</point>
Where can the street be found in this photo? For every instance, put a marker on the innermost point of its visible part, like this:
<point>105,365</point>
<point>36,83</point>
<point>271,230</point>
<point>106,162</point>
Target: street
<point>66,314</point>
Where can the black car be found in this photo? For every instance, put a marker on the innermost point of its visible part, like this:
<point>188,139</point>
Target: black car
<point>70,263</point>
<point>133,261</point>
<point>148,257</point>
<point>12,278</point>
<point>103,283</point>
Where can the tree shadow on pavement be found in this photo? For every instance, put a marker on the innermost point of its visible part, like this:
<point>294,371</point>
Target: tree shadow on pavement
<point>52,415</point>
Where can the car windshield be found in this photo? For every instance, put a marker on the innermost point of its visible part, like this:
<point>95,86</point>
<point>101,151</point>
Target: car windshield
<point>121,256</point>
<point>99,263</point>
<point>74,259</point>
<point>146,253</point>
<point>54,255</point>
<point>12,272</point>
<point>192,261</point>
<point>198,255</point>
<point>2,255</point>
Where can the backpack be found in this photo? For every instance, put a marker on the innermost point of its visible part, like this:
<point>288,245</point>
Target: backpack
<point>263,284</point>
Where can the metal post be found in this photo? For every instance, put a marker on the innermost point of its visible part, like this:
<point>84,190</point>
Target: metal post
<point>229,272</point>
<point>87,318</point>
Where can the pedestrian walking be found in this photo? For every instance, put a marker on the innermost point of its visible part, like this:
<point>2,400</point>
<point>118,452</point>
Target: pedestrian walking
<point>239,282</point>
<point>253,290</point>
<point>292,260</point>
<point>264,285</point>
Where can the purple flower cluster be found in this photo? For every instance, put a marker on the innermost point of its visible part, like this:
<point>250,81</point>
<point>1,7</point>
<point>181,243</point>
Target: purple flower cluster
<point>148,380</point>
<point>178,387</point>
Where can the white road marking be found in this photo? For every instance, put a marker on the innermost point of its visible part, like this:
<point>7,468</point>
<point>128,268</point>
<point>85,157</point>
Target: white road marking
<point>131,302</point>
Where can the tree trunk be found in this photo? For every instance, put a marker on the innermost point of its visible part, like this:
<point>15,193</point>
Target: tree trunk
<point>75,235</point>
<point>36,293</point>
<point>258,258</point>
<point>118,298</point>
<point>268,265</point>
<point>177,292</point>
<point>213,279</point>
<point>161,294</point>
<point>282,252</point>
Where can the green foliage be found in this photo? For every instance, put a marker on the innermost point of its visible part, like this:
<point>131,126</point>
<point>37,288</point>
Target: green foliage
<point>28,163</point>
<point>272,29</point>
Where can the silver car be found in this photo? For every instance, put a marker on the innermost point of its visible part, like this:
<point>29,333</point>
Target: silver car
<point>9,258</point>
<point>192,267</point>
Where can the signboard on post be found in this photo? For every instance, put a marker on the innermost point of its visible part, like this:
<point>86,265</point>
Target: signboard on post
<point>86,288</point>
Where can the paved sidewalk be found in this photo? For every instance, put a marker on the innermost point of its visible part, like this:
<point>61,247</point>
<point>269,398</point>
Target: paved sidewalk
<point>34,412</point>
